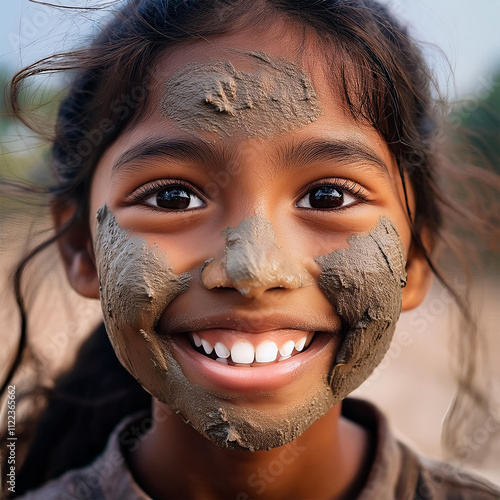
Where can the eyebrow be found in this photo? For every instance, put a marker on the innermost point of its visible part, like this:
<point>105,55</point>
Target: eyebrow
<point>346,151</point>
<point>298,154</point>
<point>176,149</point>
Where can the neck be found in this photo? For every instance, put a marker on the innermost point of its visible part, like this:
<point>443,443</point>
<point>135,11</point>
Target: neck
<point>329,460</point>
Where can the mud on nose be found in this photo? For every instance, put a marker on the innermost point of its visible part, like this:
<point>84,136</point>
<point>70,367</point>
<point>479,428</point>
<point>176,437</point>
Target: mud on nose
<point>252,262</point>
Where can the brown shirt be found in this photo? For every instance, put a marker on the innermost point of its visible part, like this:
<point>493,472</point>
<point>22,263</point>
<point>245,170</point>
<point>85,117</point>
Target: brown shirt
<point>396,473</point>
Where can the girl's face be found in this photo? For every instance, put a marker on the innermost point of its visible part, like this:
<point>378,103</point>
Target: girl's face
<point>222,202</point>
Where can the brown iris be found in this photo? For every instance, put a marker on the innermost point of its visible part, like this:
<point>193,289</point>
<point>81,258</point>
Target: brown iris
<point>326,197</point>
<point>173,198</point>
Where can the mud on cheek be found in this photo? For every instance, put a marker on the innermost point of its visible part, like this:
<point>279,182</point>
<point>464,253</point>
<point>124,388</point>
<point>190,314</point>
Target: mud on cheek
<point>364,282</point>
<point>136,285</point>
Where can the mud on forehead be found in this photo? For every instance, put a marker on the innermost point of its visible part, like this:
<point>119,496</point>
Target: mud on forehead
<point>271,97</point>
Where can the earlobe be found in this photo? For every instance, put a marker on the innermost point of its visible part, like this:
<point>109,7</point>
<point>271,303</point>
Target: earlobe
<point>419,278</point>
<point>75,247</point>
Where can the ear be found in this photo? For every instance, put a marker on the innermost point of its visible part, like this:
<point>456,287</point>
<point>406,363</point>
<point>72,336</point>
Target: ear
<point>75,247</point>
<point>419,275</point>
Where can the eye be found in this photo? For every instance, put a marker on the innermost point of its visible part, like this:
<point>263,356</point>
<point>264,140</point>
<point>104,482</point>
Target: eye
<point>175,198</point>
<point>169,196</point>
<point>329,196</point>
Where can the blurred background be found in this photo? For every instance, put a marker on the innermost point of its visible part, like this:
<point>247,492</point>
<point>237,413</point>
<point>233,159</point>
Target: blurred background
<point>414,384</point>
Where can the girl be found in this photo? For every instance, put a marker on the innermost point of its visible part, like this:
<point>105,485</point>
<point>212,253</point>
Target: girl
<point>250,189</point>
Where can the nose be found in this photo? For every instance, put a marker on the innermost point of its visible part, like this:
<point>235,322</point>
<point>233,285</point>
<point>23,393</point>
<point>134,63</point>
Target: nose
<point>252,262</point>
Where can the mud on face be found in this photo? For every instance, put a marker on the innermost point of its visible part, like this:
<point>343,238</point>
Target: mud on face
<point>274,97</point>
<point>137,284</point>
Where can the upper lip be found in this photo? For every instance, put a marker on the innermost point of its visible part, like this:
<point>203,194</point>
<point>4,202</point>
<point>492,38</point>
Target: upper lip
<point>255,322</point>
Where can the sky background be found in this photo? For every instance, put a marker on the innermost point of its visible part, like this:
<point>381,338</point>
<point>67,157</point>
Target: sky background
<point>467,32</point>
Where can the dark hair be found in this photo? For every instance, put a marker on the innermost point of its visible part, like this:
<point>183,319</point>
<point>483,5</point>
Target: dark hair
<point>379,70</point>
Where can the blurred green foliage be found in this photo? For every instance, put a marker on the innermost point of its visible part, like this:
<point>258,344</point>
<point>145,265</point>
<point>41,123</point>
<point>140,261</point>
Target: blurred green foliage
<point>23,154</point>
<point>475,122</point>
<point>24,157</point>
<point>474,141</point>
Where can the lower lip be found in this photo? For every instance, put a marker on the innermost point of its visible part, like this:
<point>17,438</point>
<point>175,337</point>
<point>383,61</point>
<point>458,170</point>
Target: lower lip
<point>199,368</point>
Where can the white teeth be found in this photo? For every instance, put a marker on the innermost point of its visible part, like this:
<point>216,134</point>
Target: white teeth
<point>299,345</point>
<point>242,352</point>
<point>287,348</point>
<point>221,350</point>
<point>266,352</point>
<point>206,346</point>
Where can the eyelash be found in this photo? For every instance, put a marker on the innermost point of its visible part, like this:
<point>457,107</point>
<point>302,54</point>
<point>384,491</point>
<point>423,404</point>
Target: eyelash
<point>144,192</point>
<point>355,190</point>
<point>351,187</point>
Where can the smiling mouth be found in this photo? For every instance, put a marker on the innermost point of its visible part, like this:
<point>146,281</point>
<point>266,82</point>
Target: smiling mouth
<point>234,350</point>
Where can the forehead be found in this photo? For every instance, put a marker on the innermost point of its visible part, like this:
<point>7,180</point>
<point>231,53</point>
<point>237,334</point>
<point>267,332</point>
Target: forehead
<point>280,76</point>
<point>200,74</point>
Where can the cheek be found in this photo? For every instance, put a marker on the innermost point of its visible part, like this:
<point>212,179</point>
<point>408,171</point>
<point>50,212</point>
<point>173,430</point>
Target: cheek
<point>364,283</point>
<point>136,285</point>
